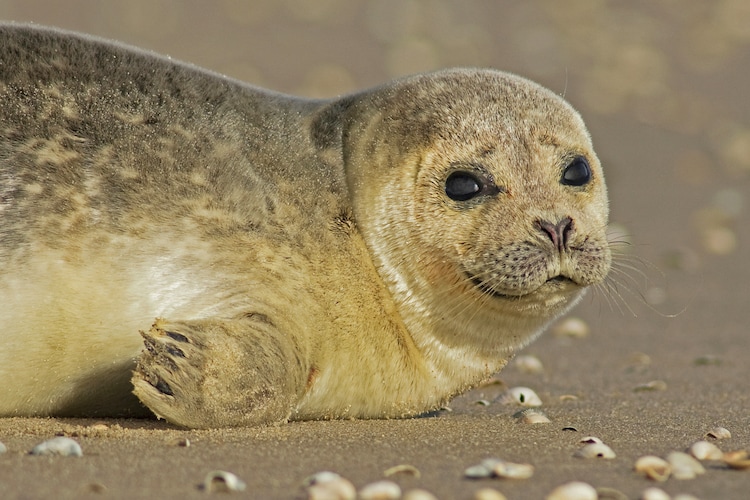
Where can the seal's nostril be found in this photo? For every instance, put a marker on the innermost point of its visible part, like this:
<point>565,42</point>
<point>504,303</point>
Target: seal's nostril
<point>559,233</point>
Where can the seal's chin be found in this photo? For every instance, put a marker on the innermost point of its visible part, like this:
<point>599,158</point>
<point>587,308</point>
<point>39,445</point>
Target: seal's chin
<point>555,284</point>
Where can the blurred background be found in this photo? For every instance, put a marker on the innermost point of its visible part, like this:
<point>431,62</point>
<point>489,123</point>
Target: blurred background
<point>662,84</point>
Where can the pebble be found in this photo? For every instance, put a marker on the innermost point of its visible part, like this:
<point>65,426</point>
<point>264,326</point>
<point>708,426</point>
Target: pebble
<point>522,396</point>
<point>219,481</point>
<point>380,490</point>
<point>527,363</point>
<point>571,327</point>
<point>576,490</point>
<point>63,446</point>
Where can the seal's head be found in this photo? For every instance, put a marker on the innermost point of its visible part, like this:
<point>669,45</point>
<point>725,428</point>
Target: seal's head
<point>488,215</point>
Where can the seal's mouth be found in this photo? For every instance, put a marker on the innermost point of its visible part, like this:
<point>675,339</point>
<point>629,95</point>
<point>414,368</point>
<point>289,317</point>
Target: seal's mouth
<point>556,282</point>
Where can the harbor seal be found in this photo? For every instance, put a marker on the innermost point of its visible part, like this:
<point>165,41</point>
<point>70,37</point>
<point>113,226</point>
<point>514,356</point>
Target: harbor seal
<point>369,256</point>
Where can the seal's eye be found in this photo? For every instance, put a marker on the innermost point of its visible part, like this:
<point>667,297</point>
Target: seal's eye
<point>462,186</point>
<point>577,173</point>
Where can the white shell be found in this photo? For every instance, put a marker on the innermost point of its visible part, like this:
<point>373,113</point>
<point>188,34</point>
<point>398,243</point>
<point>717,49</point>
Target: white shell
<point>653,467</point>
<point>654,494</point>
<point>418,494</point>
<point>719,433</point>
<point>3,448</point>
<point>494,467</point>
<point>532,416</point>
<point>489,494</point>
<point>685,496</point>
<point>575,490</point>
<point>703,450</point>
<point>595,450</point>
<point>527,363</point>
<point>327,485</point>
<point>684,466</point>
<point>521,396</point>
<point>571,327</point>
<point>380,490</point>
<point>63,446</point>
<point>219,481</point>
<point>405,469</point>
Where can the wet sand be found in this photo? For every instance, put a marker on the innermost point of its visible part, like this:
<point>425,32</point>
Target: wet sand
<point>664,94</point>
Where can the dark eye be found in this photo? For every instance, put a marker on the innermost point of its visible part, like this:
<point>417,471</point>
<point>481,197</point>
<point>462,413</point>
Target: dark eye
<point>462,186</point>
<point>577,173</point>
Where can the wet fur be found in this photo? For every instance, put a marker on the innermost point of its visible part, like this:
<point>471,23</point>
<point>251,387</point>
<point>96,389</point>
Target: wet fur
<point>282,258</point>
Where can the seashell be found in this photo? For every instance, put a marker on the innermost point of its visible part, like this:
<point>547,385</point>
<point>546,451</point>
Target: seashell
<point>380,490</point>
<point>63,446</point>
<point>409,470</point>
<point>510,470</point>
<point>489,494</point>
<point>532,416</point>
<point>3,448</point>
<point>482,402</point>
<point>571,327</point>
<point>477,472</point>
<point>575,490</point>
<point>569,428</point>
<point>329,486</point>
<point>684,496</point>
<point>653,467</point>
<point>591,440</point>
<point>654,494</point>
<point>605,493</point>
<point>684,466</point>
<point>418,494</point>
<point>703,450</point>
<point>568,397</point>
<point>595,450</point>
<point>521,396</point>
<point>719,433</point>
<point>220,481</point>
<point>737,459</point>
<point>654,385</point>
<point>527,363</point>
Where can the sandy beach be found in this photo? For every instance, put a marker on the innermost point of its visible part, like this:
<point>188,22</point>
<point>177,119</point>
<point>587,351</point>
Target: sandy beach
<point>663,88</point>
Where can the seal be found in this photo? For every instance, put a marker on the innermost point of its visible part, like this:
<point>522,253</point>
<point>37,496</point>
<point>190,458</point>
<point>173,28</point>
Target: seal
<point>370,256</point>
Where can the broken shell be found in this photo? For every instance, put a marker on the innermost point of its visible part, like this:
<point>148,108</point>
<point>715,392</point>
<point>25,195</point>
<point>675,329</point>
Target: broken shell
<point>528,364</point>
<point>653,467</point>
<point>703,450</point>
<point>418,494</point>
<point>220,481</point>
<point>654,385</point>
<point>521,396</point>
<point>532,416</point>
<point>684,466</point>
<point>654,494</point>
<point>719,433</point>
<point>380,490</point>
<point>63,446</point>
<point>737,459</point>
<point>595,450</point>
<point>482,402</point>
<point>329,486</point>
<point>571,327</point>
<point>575,490</point>
<point>590,440</point>
<point>510,470</point>
<point>409,470</point>
<point>489,494</point>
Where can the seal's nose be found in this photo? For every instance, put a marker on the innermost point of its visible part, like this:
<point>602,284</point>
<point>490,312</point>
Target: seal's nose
<point>558,233</point>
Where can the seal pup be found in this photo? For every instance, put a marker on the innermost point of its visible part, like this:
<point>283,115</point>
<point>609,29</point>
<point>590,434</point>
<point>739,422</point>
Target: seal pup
<point>370,256</point>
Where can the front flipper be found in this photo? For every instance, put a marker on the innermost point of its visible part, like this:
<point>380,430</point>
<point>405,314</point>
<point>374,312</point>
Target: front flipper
<point>213,373</point>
